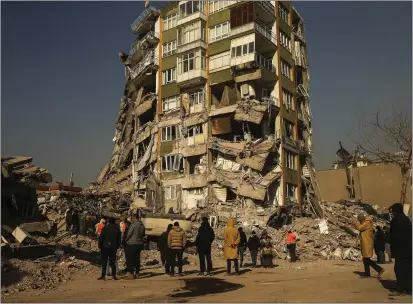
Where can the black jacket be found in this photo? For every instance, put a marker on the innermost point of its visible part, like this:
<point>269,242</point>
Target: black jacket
<point>110,237</point>
<point>75,218</point>
<point>254,243</point>
<point>243,240</point>
<point>401,237</point>
<point>163,245</point>
<point>379,241</point>
<point>205,236</point>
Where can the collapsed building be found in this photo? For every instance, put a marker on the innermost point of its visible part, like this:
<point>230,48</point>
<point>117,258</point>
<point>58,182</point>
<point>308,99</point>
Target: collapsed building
<point>215,113</point>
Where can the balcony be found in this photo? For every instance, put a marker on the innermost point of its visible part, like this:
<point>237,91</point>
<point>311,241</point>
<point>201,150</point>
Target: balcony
<point>298,33</point>
<point>192,17</point>
<point>151,38</point>
<point>256,26</point>
<point>144,66</point>
<point>271,100</point>
<point>191,45</point>
<point>191,78</point>
<point>142,23</point>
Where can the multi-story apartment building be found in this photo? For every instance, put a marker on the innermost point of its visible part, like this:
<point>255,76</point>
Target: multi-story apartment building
<point>216,107</point>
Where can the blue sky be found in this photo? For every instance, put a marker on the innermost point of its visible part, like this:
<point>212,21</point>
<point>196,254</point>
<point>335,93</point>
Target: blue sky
<point>62,80</point>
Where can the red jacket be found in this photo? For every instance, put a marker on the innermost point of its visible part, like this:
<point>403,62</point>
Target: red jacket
<point>99,228</point>
<point>291,238</point>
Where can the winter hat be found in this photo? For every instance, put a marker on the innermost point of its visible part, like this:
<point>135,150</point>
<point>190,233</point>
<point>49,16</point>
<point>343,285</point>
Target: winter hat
<point>361,217</point>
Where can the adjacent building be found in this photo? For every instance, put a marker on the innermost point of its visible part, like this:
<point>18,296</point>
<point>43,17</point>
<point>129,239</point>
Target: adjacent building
<point>216,109</point>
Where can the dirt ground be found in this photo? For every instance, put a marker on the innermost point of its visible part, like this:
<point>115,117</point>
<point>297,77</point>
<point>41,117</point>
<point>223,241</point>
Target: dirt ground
<point>321,281</point>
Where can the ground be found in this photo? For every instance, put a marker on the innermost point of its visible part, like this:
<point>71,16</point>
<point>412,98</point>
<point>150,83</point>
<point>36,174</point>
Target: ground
<point>320,281</point>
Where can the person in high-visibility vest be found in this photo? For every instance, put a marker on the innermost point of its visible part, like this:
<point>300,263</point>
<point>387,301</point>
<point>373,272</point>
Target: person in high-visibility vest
<point>291,246</point>
<point>99,227</point>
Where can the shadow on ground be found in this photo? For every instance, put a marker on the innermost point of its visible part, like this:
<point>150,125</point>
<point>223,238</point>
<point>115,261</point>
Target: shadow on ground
<point>11,275</point>
<point>390,285</point>
<point>195,287</point>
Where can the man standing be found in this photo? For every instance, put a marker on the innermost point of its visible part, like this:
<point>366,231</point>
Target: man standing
<point>379,245</point>
<point>164,250</point>
<point>176,242</point>
<point>254,246</point>
<point>231,241</point>
<point>68,218</point>
<point>242,246</point>
<point>365,226</point>
<point>291,245</point>
<point>401,249</point>
<point>109,243</point>
<point>75,222</point>
<point>387,243</point>
<point>203,243</point>
<point>134,240</point>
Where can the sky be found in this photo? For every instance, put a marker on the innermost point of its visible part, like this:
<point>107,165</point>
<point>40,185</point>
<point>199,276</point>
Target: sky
<point>61,78</point>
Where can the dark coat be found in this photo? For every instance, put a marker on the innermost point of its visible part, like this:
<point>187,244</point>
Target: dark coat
<point>387,236</point>
<point>205,236</point>
<point>243,240</point>
<point>163,245</point>
<point>75,219</point>
<point>401,237</point>
<point>69,221</point>
<point>379,241</point>
<point>254,243</point>
<point>110,237</point>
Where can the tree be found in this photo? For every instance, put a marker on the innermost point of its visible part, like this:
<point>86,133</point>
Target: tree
<point>389,140</point>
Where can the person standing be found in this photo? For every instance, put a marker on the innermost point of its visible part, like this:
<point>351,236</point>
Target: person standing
<point>134,240</point>
<point>75,222</point>
<point>164,250</point>
<point>401,249</point>
<point>109,243</point>
<point>176,242</point>
<point>242,246</point>
<point>365,226</point>
<point>387,243</point>
<point>379,245</point>
<point>231,241</point>
<point>291,245</point>
<point>68,219</point>
<point>254,246</point>
<point>203,243</point>
<point>266,251</point>
<point>99,227</point>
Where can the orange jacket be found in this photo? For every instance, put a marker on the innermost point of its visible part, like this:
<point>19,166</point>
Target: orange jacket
<point>99,228</point>
<point>291,238</point>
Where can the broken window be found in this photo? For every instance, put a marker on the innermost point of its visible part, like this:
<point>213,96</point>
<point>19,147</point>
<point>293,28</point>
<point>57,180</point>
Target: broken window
<point>288,129</point>
<point>170,133</point>
<point>288,99</point>
<point>172,163</point>
<point>290,160</point>
<point>285,69</point>
<point>170,192</point>
<point>168,76</point>
<point>242,15</point>
<point>170,103</point>
<point>291,192</point>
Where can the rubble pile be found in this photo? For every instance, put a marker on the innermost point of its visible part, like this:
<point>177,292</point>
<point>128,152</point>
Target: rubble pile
<point>22,170</point>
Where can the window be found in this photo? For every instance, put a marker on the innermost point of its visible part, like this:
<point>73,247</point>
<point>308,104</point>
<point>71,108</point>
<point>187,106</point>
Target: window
<point>197,97</point>
<point>191,32</point>
<point>191,7</point>
<point>266,92</point>
<point>195,130</point>
<point>216,6</point>
<point>283,12</point>
<point>170,22</point>
<point>288,129</point>
<point>196,191</point>
<point>170,133</point>
<point>169,48</point>
<point>242,15</point>
<point>285,69</point>
<point>219,61</point>
<point>191,61</point>
<point>241,50</point>
<point>170,192</point>
<point>188,63</point>
<point>171,163</point>
<point>289,160</point>
<point>219,31</point>
<point>288,99</point>
<point>170,103</point>
<point>291,192</point>
<point>168,76</point>
<point>285,41</point>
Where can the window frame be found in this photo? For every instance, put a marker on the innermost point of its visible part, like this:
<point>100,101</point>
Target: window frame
<point>169,100</point>
<point>290,187</point>
<point>241,48</point>
<point>171,48</point>
<point>288,99</point>
<point>213,37</point>
<point>290,160</point>
<point>284,68</point>
<point>285,41</point>
<point>168,21</point>
<point>173,192</point>
<point>193,5</point>
<point>169,76</point>
<point>167,133</point>
<point>283,13</point>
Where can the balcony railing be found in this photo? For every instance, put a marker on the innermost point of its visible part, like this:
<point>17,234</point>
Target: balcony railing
<point>148,60</point>
<point>259,27</point>
<point>264,62</point>
<point>137,44</point>
<point>138,21</point>
<point>271,100</point>
<point>298,33</point>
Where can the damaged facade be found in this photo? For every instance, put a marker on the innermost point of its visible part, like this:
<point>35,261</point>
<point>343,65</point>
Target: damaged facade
<point>215,112</point>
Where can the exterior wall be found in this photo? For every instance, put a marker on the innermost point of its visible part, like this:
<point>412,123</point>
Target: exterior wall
<point>376,185</point>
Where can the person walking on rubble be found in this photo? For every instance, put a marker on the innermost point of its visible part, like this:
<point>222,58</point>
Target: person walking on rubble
<point>379,245</point>
<point>254,246</point>
<point>242,246</point>
<point>109,243</point>
<point>387,243</point>
<point>401,249</point>
<point>203,243</point>
<point>231,241</point>
<point>291,245</point>
<point>134,240</point>
<point>266,251</point>
<point>164,250</point>
<point>177,243</point>
<point>365,226</point>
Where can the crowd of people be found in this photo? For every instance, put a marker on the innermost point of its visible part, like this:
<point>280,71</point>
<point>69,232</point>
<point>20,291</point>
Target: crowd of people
<point>129,235</point>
